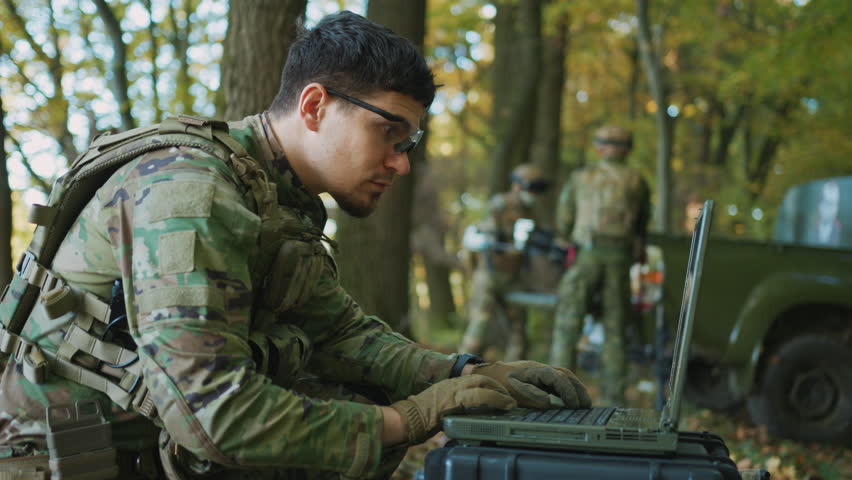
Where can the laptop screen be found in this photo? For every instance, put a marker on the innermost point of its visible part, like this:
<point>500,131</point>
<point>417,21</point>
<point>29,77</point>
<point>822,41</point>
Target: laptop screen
<point>671,411</point>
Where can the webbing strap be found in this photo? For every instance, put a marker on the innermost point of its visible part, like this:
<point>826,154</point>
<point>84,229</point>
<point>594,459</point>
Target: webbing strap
<point>31,358</point>
<point>42,214</point>
<point>128,391</point>
<point>109,138</point>
<point>78,374</point>
<point>59,301</point>
<point>231,143</point>
<point>59,298</point>
<point>78,340</point>
<point>258,182</point>
<point>38,276</point>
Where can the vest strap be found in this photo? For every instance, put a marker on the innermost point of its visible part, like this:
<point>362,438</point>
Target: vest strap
<point>27,354</point>
<point>76,373</point>
<point>42,214</point>
<point>79,340</point>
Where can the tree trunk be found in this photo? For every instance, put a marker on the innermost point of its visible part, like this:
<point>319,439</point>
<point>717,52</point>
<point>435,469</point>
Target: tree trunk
<point>118,68</point>
<point>515,94</point>
<point>183,100</point>
<point>155,72</point>
<point>266,28</point>
<point>546,146</point>
<point>653,70</point>
<point>727,129</point>
<point>633,83</point>
<point>5,210</point>
<point>376,251</point>
<point>505,37</point>
<point>427,239</point>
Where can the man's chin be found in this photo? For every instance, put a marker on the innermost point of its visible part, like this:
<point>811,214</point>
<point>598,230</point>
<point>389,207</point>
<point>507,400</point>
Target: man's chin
<point>358,209</point>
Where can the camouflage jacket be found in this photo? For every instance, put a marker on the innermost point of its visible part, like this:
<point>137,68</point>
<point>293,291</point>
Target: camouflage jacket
<point>182,232</point>
<point>608,201</point>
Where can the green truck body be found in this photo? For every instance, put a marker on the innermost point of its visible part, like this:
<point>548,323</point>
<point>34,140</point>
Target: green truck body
<point>774,319</point>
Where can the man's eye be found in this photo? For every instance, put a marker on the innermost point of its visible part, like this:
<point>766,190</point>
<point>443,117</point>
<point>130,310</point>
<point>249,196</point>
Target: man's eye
<point>392,132</point>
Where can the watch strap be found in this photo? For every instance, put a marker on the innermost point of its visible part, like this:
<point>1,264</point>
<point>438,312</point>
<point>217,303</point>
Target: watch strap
<point>463,360</point>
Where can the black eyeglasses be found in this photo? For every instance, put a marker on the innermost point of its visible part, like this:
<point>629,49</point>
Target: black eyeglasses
<point>404,146</point>
<point>616,143</point>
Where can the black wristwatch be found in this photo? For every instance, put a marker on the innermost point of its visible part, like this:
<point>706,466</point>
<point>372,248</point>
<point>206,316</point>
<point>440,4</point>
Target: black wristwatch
<point>463,360</point>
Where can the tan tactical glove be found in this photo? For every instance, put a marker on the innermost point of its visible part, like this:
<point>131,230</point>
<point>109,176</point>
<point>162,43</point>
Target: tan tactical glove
<point>422,413</point>
<point>530,383</point>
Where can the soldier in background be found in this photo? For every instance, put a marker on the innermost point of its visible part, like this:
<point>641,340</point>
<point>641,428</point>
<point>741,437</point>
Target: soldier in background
<point>604,211</point>
<point>499,266</point>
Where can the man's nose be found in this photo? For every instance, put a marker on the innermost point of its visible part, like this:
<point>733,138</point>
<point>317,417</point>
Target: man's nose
<point>398,162</point>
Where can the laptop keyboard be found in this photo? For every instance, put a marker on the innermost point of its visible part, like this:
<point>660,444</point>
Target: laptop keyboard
<point>565,416</point>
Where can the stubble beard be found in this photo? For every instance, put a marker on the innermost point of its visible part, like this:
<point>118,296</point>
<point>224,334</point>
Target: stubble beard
<point>358,209</point>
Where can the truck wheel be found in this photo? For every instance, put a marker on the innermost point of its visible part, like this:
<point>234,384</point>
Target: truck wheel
<point>707,386</point>
<point>807,391</point>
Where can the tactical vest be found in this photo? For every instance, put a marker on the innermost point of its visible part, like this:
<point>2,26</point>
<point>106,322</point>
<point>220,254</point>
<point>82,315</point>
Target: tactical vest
<point>607,203</point>
<point>505,210</point>
<point>36,282</point>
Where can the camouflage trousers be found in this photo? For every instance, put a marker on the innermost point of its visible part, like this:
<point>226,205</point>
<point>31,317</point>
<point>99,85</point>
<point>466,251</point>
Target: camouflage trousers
<point>491,321</point>
<point>597,271</point>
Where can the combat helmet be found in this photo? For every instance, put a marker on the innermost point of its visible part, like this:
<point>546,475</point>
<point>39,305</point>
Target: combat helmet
<point>530,178</point>
<point>616,136</point>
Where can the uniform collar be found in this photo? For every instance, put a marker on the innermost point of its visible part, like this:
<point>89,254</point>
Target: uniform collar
<point>269,134</point>
<point>291,190</point>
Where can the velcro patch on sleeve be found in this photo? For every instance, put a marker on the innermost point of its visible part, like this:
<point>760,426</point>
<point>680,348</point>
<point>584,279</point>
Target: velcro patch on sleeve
<point>177,199</point>
<point>200,296</point>
<point>177,252</point>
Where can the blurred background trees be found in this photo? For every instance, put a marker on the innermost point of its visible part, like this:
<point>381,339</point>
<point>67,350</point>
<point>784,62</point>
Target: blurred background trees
<point>753,95</point>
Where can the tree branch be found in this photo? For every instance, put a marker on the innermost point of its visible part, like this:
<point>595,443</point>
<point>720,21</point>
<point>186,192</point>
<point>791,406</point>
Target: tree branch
<point>22,26</point>
<point>43,184</point>
<point>24,77</point>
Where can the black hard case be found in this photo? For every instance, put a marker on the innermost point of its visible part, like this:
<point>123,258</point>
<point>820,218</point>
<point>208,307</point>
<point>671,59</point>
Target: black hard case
<point>699,456</point>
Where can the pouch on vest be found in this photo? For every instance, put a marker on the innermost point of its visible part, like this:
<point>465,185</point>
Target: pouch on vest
<point>280,352</point>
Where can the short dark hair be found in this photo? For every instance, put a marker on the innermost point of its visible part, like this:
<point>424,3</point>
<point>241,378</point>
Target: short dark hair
<point>357,56</point>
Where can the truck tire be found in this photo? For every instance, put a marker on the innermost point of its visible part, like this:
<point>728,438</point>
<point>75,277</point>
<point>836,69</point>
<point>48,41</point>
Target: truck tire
<point>707,387</point>
<point>806,392</point>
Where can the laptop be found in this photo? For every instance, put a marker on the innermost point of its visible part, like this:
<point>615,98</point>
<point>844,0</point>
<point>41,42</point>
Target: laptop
<point>602,429</point>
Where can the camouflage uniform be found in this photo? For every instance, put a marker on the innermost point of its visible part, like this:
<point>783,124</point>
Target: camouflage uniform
<point>247,377</point>
<point>604,210</point>
<point>491,320</point>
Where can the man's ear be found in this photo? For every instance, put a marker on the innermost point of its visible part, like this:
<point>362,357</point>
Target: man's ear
<point>313,105</point>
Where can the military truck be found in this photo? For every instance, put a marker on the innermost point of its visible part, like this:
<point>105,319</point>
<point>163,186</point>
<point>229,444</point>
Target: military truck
<point>774,321</point>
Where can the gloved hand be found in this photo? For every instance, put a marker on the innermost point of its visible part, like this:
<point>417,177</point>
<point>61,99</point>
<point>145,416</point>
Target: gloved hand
<point>422,413</point>
<point>530,383</point>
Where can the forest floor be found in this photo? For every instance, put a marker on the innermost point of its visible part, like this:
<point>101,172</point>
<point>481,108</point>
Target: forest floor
<point>750,445</point>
